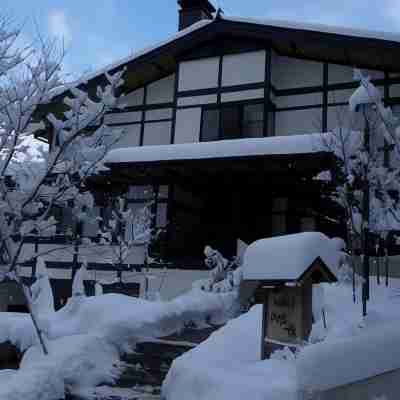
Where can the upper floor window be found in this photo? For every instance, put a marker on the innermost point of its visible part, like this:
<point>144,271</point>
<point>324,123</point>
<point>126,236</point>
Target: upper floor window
<point>233,121</point>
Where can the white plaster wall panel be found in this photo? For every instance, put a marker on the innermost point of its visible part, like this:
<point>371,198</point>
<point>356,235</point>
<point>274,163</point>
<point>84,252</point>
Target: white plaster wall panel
<point>123,118</point>
<point>157,133</point>
<point>298,100</point>
<point>373,74</point>
<point>245,68</point>
<point>291,73</point>
<point>340,116</point>
<point>274,73</point>
<point>199,74</point>
<point>130,137</point>
<point>161,91</point>
<point>197,100</point>
<point>340,74</point>
<point>394,90</point>
<point>187,128</point>
<point>134,98</point>
<point>161,113</point>
<point>340,96</point>
<point>343,96</point>
<point>298,122</point>
<point>242,95</point>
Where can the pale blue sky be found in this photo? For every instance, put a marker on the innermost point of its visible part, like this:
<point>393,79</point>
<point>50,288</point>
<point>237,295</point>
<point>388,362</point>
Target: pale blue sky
<point>97,32</point>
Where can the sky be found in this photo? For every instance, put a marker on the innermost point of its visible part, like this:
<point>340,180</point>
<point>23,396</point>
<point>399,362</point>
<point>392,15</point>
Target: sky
<point>98,32</point>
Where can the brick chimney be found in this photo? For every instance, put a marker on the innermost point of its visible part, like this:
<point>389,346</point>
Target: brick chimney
<point>193,11</point>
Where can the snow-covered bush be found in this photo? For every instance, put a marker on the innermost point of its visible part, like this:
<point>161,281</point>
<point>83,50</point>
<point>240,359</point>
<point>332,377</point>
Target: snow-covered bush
<point>225,275</point>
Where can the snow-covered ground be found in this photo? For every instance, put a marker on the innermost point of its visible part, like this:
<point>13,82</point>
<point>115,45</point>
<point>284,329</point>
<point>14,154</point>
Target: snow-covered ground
<point>228,366</point>
<point>87,336</point>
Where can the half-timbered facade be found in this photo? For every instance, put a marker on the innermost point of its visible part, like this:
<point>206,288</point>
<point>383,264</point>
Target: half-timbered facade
<point>220,125</point>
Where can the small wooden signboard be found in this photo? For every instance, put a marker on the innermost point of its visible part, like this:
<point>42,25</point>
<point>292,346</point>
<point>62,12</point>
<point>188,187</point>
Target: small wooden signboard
<point>287,315</point>
<point>286,295</point>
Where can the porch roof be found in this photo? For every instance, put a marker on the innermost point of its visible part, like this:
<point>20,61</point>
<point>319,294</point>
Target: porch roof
<point>293,158</point>
<point>277,145</point>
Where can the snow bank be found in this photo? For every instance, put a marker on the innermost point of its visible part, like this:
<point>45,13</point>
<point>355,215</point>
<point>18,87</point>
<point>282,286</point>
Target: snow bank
<point>353,348</point>
<point>227,366</point>
<point>277,145</point>
<point>87,336</point>
<point>123,320</point>
<point>335,363</point>
<point>17,329</point>
<point>119,319</point>
<point>77,363</point>
<point>288,257</point>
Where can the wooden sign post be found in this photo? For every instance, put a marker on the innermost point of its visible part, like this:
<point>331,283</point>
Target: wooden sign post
<point>287,314</point>
<point>283,282</point>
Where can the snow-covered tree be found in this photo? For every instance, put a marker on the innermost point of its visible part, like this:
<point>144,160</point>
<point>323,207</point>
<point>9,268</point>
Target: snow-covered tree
<point>225,275</point>
<point>29,78</point>
<point>126,232</point>
<point>368,176</point>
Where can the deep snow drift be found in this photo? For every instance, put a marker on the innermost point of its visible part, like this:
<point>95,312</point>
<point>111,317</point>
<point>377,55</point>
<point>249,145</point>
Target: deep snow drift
<point>227,366</point>
<point>87,336</point>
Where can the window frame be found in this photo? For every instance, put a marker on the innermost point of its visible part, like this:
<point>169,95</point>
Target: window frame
<point>241,105</point>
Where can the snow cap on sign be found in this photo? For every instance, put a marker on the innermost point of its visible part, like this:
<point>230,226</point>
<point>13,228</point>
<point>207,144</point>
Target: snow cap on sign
<point>287,258</point>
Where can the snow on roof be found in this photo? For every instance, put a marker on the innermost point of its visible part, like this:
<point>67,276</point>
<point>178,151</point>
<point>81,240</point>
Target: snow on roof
<point>131,57</point>
<point>338,30</point>
<point>277,145</point>
<point>314,27</point>
<point>288,257</point>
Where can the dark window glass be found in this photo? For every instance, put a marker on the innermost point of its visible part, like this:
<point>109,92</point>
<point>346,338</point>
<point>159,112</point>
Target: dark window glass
<point>237,121</point>
<point>253,120</point>
<point>271,123</point>
<point>210,127</point>
<point>230,122</point>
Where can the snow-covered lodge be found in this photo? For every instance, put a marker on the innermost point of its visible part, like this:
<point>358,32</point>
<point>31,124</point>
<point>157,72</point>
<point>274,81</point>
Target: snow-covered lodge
<point>223,123</point>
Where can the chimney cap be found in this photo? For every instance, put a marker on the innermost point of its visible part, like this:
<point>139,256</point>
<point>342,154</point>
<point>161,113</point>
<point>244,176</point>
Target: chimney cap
<point>204,4</point>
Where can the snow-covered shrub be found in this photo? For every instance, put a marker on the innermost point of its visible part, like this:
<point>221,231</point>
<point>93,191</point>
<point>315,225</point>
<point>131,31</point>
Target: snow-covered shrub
<point>225,275</point>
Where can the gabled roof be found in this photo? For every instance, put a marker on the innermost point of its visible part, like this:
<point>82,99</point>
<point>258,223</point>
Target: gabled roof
<point>361,48</point>
<point>289,258</point>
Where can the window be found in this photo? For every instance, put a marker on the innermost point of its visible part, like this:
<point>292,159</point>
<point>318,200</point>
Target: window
<point>233,122</point>
<point>230,122</point>
<point>253,120</point>
<point>210,127</point>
